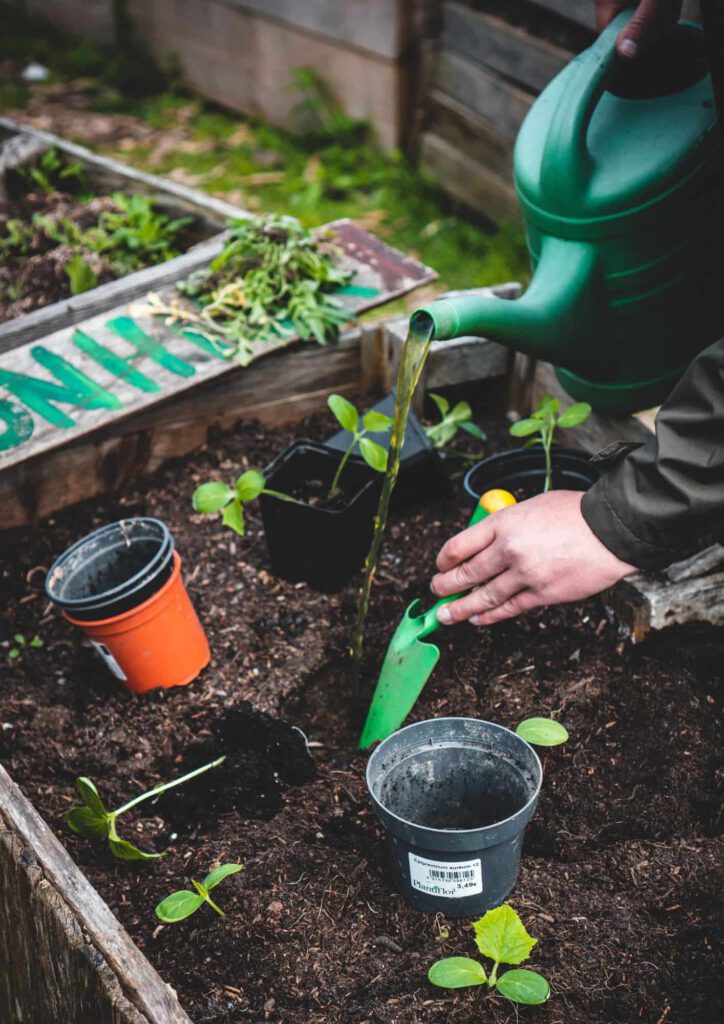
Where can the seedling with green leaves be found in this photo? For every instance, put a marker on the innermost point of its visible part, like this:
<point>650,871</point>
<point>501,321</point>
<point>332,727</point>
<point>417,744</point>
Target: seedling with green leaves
<point>372,422</point>
<point>95,821</point>
<point>81,274</point>
<point>21,644</point>
<point>452,420</point>
<point>544,421</point>
<point>216,496</point>
<point>542,732</point>
<point>53,173</point>
<point>500,935</point>
<point>182,904</point>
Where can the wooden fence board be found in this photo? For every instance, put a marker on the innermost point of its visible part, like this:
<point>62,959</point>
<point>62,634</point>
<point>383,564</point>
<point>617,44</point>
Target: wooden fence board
<point>244,62</point>
<point>582,12</point>
<point>374,25</point>
<point>491,41</point>
<point>469,134</point>
<point>94,18</point>
<point>483,92</point>
<point>64,957</point>
<point>469,181</point>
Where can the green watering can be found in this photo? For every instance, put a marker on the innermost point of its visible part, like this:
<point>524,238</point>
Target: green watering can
<point>619,174</point>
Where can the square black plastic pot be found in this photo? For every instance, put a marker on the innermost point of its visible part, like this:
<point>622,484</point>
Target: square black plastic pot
<point>318,546</point>
<point>422,477</point>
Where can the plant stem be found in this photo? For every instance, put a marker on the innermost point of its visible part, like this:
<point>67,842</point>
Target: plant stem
<point>547,442</point>
<point>212,904</point>
<point>278,494</point>
<point>493,975</point>
<point>343,463</point>
<point>157,790</point>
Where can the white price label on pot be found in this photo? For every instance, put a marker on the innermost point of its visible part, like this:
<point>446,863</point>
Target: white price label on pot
<point>109,660</point>
<point>446,878</point>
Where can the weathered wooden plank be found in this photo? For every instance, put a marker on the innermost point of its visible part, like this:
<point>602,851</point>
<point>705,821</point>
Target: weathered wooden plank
<point>469,181</point>
<point>244,62</point>
<point>485,93</point>
<point>374,25</point>
<point>64,957</point>
<point>469,134</point>
<point>48,319</point>
<point>491,41</point>
<point>94,18</point>
<point>696,565</point>
<point>281,388</point>
<point>582,12</point>
<point>647,601</point>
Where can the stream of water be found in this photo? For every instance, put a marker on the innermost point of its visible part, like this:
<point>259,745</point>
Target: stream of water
<point>412,361</point>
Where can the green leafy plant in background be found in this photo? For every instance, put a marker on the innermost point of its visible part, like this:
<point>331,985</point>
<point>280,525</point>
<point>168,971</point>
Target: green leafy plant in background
<point>94,821</point>
<point>182,904</point>
<point>372,422</point>
<point>544,421</point>
<point>216,496</point>
<point>453,419</point>
<point>273,279</point>
<point>542,732</point>
<point>21,644</point>
<point>501,936</point>
<point>53,173</point>
<point>82,275</point>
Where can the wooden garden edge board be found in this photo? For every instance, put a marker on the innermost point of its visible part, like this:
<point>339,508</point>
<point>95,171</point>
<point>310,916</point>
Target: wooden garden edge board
<point>133,377</point>
<point>61,932</point>
<point>112,174</point>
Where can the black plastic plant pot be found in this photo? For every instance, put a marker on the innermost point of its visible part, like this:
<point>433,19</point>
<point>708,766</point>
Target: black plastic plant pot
<point>522,471</point>
<point>455,796</point>
<point>112,570</point>
<point>313,544</point>
<point>422,477</point>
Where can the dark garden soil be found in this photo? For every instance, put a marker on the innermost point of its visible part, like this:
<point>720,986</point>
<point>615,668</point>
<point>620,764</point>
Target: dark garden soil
<point>620,876</point>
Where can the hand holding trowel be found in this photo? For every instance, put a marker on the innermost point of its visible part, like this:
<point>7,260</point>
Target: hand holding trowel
<point>409,661</point>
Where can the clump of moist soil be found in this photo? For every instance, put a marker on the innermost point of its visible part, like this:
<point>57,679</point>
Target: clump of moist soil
<point>621,872</point>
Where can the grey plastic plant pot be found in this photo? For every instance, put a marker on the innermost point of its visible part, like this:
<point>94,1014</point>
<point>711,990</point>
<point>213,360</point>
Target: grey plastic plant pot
<point>455,796</point>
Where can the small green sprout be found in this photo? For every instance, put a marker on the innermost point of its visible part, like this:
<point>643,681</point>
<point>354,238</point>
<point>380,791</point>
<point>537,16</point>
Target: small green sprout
<point>81,274</point>
<point>452,420</point>
<point>94,821</point>
<point>500,935</point>
<point>373,422</point>
<point>182,904</point>
<point>544,422</point>
<point>216,496</point>
<point>22,644</point>
<point>542,732</point>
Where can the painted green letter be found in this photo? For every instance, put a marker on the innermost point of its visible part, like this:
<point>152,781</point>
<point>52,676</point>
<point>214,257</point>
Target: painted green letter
<point>19,424</point>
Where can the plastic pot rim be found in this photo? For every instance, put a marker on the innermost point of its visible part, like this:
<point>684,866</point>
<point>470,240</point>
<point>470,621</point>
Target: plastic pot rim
<point>481,830</point>
<point>319,448</point>
<point>139,609</point>
<point>118,592</point>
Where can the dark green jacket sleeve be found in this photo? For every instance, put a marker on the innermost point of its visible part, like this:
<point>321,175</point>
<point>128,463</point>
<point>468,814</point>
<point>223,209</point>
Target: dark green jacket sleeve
<point>666,499</point>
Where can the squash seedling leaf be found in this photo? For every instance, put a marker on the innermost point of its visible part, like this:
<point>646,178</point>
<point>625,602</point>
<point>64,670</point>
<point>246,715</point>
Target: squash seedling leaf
<point>250,485</point>
<point>542,732</point>
<point>457,972</point>
<point>233,517</point>
<point>501,935</point>
<point>374,454</point>
<point>212,497</point>
<point>178,906</point>
<point>344,412</point>
<point>524,986</point>
<point>219,874</point>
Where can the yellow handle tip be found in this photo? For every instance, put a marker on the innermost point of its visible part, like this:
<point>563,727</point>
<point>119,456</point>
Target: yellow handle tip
<point>493,501</point>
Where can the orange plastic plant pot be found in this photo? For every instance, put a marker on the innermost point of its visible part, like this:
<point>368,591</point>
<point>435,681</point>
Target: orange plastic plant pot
<point>159,643</point>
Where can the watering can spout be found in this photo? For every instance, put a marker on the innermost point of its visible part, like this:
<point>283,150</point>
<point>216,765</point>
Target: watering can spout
<point>558,318</point>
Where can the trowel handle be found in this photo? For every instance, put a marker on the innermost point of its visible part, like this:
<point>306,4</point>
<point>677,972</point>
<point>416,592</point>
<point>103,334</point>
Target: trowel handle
<point>490,502</point>
<point>566,165</point>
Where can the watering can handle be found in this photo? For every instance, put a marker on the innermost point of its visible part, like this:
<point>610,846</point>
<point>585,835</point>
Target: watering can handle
<point>567,163</point>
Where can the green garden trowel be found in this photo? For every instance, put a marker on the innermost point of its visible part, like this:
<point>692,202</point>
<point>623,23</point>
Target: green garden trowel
<point>409,661</point>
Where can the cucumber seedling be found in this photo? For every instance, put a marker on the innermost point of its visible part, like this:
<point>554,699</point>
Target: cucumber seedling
<point>501,936</point>
<point>95,821</point>
<point>372,422</point>
<point>544,421</point>
<point>453,419</point>
<point>216,496</point>
<point>182,904</point>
